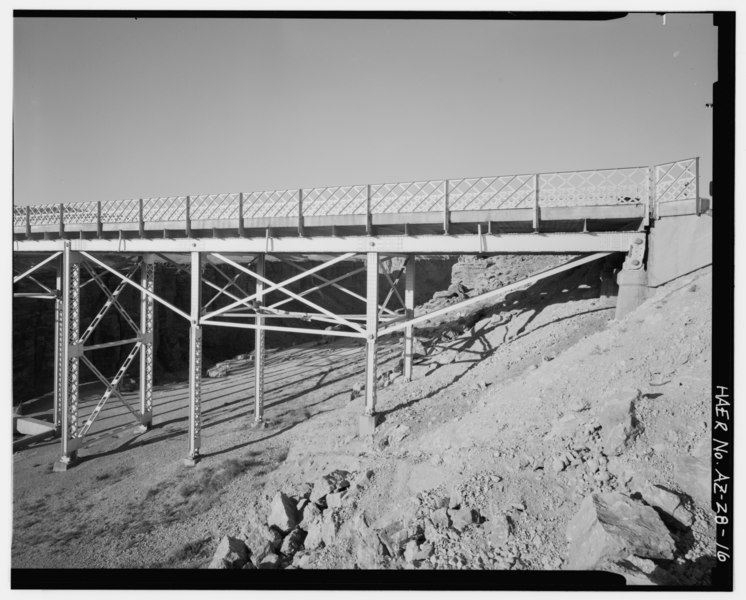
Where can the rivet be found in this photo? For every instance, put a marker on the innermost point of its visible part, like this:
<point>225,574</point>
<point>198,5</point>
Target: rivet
<point>638,240</point>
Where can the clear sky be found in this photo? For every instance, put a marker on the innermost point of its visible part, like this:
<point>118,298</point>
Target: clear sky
<point>107,109</point>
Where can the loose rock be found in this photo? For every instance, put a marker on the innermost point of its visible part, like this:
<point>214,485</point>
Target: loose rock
<point>613,525</point>
<point>283,514</point>
<point>231,553</point>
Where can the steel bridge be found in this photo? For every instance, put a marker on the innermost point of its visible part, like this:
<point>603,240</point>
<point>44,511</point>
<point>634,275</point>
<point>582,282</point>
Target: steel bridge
<point>378,230</point>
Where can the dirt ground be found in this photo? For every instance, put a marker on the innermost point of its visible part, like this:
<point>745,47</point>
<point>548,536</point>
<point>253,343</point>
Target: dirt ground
<point>501,394</point>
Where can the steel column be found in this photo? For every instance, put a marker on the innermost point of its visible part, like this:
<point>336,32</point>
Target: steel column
<point>70,357</point>
<point>195,361</point>
<point>259,346</point>
<point>371,326</point>
<point>59,336</point>
<point>147,307</point>
<point>409,314</point>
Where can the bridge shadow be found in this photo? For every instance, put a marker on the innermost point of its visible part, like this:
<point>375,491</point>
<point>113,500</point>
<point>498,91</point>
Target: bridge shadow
<point>584,283</point>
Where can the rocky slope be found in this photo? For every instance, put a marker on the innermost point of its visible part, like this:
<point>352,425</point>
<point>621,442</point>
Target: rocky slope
<point>537,433</point>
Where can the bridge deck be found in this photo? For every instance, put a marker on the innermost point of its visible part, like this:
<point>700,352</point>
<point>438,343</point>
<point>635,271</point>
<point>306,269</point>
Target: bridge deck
<point>609,200</point>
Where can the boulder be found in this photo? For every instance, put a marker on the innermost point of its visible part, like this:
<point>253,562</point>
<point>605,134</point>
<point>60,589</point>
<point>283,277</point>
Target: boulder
<point>311,513</point>
<point>366,546</point>
<point>461,518</point>
<point>440,518</point>
<point>260,540</point>
<point>618,423</point>
<point>668,502</point>
<point>330,523</point>
<point>282,513</point>
<point>394,537</point>
<point>335,500</point>
<point>231,553</point>
<point>314,539</point>
<point>270,561</point>
<point>498,530</point>
<point>410,550</point>
<point>293,542</point>
<point>692,474</point>
<point>632,573</point>
<point>327,484</point>
<point>613,525</point>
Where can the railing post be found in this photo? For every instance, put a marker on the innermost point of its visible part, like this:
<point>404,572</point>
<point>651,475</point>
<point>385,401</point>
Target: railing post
<point>62,220</point>
<point>141,219</point>
<point>241,231</point>
<point>446,209</point>
<point>300,212</point>
<point>368,218</point>
<point>28,221</point>
<point>99,225</point>
<point>188,217</point>
<point>537,215</point>
<point>696,186</point>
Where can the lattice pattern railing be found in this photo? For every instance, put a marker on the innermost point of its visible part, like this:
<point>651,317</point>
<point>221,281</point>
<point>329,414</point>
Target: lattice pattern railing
<point>488,193</point>
<point>417,196</point>
<point>214,206</point>
<point>636,185</point>
<point>677,181</point>
<point>594,188</point>
<point>281,203</point>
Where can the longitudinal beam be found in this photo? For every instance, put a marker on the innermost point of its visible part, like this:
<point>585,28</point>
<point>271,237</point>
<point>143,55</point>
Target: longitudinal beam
<point>493,293</point>
<point>579,243</point>
<point>326,332</point>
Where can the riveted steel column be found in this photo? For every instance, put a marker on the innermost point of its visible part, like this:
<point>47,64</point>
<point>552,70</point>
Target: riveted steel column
<point>537,215</point>
<point>409,314</point>
<point>259,347</point>
<point>59,336</point>
<point>195,362</point>
<point>147,307</point>
<point>70,363</point>
<point>371,325</point>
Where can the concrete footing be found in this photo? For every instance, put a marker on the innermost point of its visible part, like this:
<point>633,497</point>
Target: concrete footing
<point>259,425</point>
<point>191,461</point>
<point>142,428</point>
<point>368,424</point>
<point>62,464</point>
<point>633,291</point>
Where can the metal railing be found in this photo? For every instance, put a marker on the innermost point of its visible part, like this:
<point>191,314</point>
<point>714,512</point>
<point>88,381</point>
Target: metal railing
<point>650,186</point>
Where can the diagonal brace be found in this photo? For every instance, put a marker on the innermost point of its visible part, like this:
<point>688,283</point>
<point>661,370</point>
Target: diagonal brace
<point>111,301</point>
<point>275,286</point>
<point>137,286</point>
